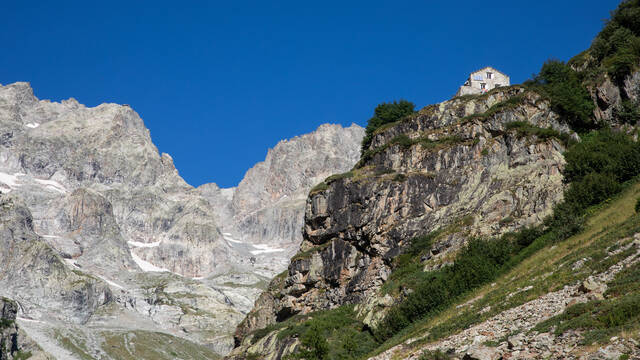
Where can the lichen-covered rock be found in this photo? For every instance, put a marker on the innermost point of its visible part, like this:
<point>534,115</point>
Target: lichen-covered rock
<point>608,96</point>
<point>474,162</point>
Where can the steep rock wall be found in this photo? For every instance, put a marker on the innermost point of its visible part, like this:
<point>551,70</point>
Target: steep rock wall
<point>460,162</point>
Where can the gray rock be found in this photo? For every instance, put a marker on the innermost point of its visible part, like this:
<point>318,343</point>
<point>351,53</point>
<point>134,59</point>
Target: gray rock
<point>480,352</point>
<point>594,288</point>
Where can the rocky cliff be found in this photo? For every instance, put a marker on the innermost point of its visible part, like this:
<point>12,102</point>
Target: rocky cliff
<point>102,239</point>
<point>14,344</point>
<point>267,208</point>
<point>475,166</point>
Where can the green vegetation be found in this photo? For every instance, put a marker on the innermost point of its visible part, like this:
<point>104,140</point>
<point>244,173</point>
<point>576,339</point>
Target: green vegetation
<point>383,114</point>
<point>408,269</point>
<point>433,355</point>
<point>617,46</point>
<point>480,261</point>
<point>524,129</point>
<point>628,112</point>
<point>152,345</point>
<point>597,168</point>
<point>601,319</point>
<point>569,98</point>
<point>22,355</point>
<point>510,103</point>
<point>6,323</point>
<point>336,177</point>
<point>330,334</point>
<point>319,188</point>
<point>77,346</point>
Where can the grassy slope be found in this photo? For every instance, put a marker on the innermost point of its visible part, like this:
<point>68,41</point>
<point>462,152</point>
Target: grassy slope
<point>547,270</point>
<point>136,345</point>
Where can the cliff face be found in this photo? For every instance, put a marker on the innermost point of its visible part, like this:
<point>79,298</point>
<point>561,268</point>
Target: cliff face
<point>267,207</point>
<point>608,97</point>
<point>472,165</point>
<point>61,147</point>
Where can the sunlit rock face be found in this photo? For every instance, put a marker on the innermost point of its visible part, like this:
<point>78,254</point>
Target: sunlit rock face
<point>101,235</point>
<point>453,165</point>
<point>266,209</point>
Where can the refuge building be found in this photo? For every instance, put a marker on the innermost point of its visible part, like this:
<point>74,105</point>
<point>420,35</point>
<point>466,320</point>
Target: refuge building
<point>483,80</point>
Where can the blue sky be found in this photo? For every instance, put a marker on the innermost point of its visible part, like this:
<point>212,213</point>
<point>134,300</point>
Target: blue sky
<point>218,83</point>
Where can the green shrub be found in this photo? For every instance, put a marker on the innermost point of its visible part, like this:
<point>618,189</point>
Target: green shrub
<point>314,343</point>
<point>386,113</point>
<point>603,151</point>
<point>403,140</point>
<point>628,15</point>
<point>400,177</point>
<point>620,65</point>
<point>628,112</point>
<point>329,334</point>
<point>596,169</point>
<point>479,262</point>
<point>524,128</point>
<point>592,189</point>
<point>638,205</point>
<point>617,46</point>
<point>336,177</point>
<point>569,98</point>
<point>6,323</point>
<point>434,355</point>
<point>318,188</point>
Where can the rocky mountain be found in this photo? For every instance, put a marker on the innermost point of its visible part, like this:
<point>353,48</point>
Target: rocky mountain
<point>490,226</point>
<point>104,245</point>
<point>454,165</point>
<point>267,208</point>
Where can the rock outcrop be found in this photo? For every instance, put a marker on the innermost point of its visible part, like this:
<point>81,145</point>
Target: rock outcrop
<point>608,96</point>
<point>473,164</point>
<point>33,271</point>
<point>14,344</point>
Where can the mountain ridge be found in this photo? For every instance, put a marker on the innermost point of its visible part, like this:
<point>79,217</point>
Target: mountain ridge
<point>109,208</point>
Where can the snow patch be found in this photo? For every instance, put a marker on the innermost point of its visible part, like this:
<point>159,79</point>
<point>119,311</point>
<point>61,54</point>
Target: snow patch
<point>51,236</point>
<point>32,125</point>
<point>110,282</point>
<point>75,265</point>
<point>52,185</point>
<point>228,237</point>
<point>145,265</point>
<point>72,263</point>
<point>29,320</point>
<point>264,249</point>
<point>10,182</point>
<point>144,245</point>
